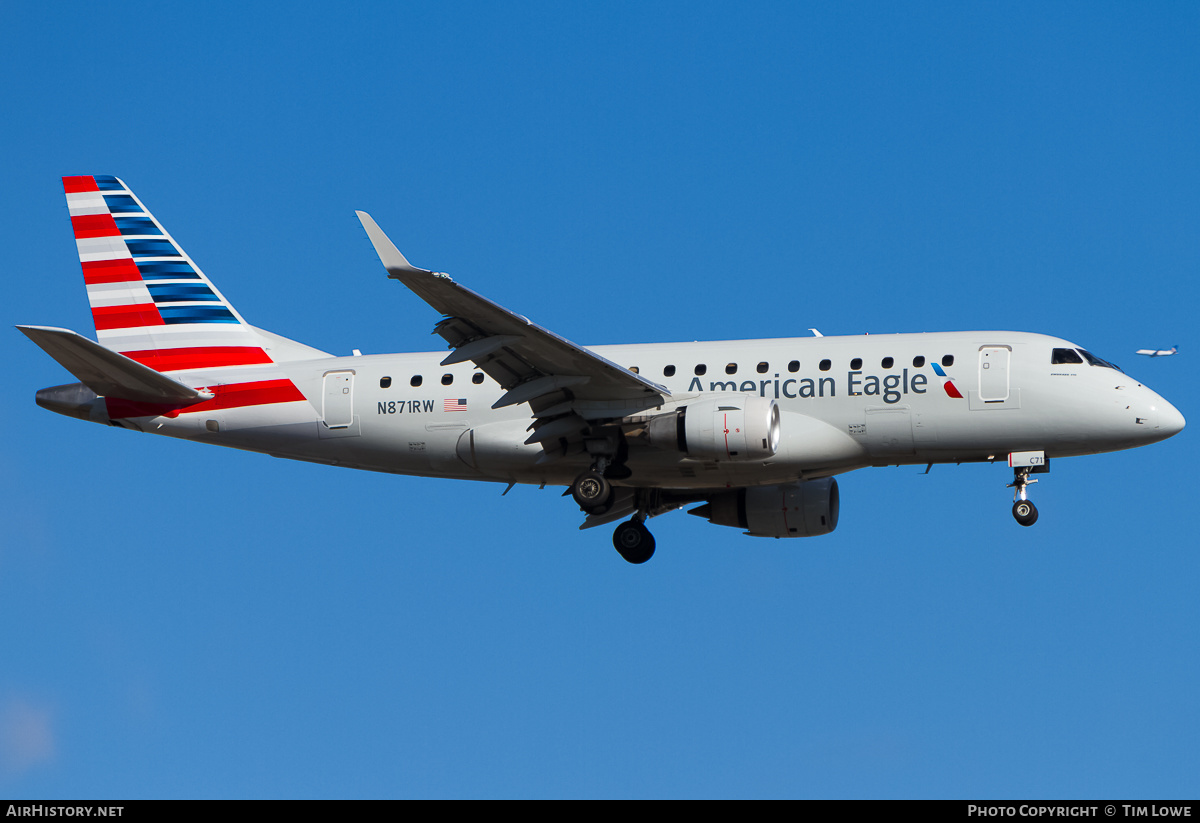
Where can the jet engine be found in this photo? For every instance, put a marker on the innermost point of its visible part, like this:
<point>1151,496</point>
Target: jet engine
<point>720,427</point>
<point>805,509</point>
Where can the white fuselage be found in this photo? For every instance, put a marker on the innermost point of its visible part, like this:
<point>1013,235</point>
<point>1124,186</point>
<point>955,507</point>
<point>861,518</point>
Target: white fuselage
<point>845,402</point>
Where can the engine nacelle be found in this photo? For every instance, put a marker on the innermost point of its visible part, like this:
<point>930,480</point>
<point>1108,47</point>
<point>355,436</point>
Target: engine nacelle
<point>805,509</point>
<point>732,427</point>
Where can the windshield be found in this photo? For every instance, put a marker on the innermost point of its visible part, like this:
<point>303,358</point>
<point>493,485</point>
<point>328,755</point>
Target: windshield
<point>1096,361</point>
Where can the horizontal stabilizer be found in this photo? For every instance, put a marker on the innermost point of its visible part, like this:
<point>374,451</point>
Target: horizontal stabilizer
<point>108,373</point>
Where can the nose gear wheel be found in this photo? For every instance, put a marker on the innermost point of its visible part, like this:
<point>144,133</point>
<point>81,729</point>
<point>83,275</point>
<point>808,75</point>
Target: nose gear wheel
<point>1025,512</point>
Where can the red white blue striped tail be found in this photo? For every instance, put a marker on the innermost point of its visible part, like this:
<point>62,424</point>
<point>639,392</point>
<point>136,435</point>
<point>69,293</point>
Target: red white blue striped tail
<point>149,300</point>
<point>153,304</point>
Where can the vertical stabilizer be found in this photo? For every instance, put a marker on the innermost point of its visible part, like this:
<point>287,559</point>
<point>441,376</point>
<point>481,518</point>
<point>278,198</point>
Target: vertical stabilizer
<point>149,299</point>
<point>152,304</point>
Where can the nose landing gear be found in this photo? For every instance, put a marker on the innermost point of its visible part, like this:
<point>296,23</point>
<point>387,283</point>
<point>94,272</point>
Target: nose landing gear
<point>1023,509</point>
<point>1024,464</point>
<point>1025,512</point>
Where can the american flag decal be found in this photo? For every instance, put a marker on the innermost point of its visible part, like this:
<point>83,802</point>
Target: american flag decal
<point>451,404</point>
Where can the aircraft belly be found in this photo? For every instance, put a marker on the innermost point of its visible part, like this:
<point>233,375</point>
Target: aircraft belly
<point>290,430</point>
<point>808,446</point>
<point>690,474</point>
<point>499,450</point>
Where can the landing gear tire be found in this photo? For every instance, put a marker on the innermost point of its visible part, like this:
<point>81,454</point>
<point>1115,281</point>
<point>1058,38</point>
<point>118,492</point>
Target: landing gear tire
<point>1025,512</point>
<point>634,542</point>
<point>592,492</point>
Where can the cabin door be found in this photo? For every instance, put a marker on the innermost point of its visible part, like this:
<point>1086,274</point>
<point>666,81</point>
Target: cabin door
<point>993,373</point>
<point>338,410</point>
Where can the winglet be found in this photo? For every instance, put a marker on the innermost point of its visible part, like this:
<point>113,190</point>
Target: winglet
<point>389,255</point>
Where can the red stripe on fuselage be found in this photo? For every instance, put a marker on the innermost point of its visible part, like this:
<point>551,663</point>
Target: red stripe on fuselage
<point>79,183</point>
<point>126,317</point>
<point>123,270</point>
<point>238,395</point>
<point>952,389</point>
<point>199,357</point>
<point>94,225</point>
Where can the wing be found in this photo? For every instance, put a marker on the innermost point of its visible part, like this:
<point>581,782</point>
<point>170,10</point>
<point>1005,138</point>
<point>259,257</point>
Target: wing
<point>567,386</point>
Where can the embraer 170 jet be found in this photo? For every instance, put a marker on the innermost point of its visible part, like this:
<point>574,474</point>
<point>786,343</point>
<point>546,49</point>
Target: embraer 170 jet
<point>752,430</point>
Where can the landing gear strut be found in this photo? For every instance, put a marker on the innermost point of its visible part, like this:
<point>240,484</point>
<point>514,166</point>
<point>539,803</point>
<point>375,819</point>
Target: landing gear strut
<point>633,540</point>
<point>592,489</point>
<point>1023,509</point>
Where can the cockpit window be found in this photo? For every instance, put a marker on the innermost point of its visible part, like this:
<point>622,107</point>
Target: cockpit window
<point>1093,360</point>
<point>1065,356</point>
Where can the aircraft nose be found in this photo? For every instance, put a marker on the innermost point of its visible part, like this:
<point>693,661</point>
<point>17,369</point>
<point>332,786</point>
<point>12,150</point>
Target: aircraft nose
<point>1170,420</point>
<point>1162,419</point>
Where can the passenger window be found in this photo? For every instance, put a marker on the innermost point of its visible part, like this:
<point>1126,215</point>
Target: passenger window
<point>447,379</point>
<point>762,368</point>
<point>731,368</point>
<point>948,360</point>
<point>918,362</point>
<point>477,378</point>
<point>384,382</point>
<point>668,371</point>
<point>1065,356</point>
<point>634,369</point>
<point>856,364</point>
<point>794,366</point>
<point>701,369</point>
<point>825,364</point>
<point>887,363</point>
<point>416,381</point>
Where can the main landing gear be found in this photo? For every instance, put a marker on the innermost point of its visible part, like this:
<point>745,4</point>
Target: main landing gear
<point>595,495</point>
<point>592,492</point>
<point>633,540</point>
<point>1023,509</point>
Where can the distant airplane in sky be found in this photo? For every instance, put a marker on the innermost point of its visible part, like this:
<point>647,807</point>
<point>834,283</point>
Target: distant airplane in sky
<point>1158,352</point>
<point>752,430</point>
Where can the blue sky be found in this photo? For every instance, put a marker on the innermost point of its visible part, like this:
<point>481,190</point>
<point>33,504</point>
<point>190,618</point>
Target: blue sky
<point>182,621</point>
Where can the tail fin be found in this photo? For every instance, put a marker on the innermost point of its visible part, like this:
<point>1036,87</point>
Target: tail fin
<point>149,300</point>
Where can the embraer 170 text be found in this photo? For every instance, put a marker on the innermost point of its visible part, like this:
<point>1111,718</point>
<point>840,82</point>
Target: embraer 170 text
<point>752,430</point>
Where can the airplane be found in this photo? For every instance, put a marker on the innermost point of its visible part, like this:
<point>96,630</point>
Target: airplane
<point>754,431</point>
<point>1158,352</point>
